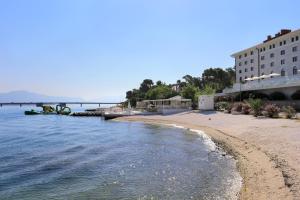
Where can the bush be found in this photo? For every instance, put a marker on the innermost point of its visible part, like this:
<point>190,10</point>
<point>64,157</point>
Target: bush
<point>246,109</point>
<point>277,96</point>
<point>221,105</point>
<point>272,110</point>
<point>296,95</point>
<point>237,107</point>
<point>256,106</point>
<point>290,111</point>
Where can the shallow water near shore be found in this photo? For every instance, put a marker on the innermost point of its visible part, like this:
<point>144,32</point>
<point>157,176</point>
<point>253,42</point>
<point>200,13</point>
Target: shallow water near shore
<point>62,157</point>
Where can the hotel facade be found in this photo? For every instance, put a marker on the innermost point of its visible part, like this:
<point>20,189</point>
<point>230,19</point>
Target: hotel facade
<point>273,65</point>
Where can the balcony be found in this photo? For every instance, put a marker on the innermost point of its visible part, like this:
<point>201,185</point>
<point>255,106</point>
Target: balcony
<point>263,84</point>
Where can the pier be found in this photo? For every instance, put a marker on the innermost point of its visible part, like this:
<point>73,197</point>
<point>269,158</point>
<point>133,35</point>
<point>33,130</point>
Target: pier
<point>39,104</point>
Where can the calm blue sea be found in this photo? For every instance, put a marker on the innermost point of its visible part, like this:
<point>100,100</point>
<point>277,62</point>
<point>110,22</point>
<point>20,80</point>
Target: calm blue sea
<point>63,157</point>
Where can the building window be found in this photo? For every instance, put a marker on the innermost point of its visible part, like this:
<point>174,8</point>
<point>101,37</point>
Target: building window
<point>270,47</point>
<point>295,59</point>
<point>295,49</point>
<point>282,72</point>
<point>284,42</point>
<point>295,70</point>
<point>240,64</point>
<point>246,62</point>
<point>251,61</point>
<point>272,55</point>
<point>280,43</point>
<point>240,71</point>
<point>262,57</point>
<point>262,66</point>
<point>246,69</point>
<point>272,64</point>
<point>282,61</point>
<point>293,39</point>
<point>240,56</point>
<point>240,79</point>
<point>282,52</point>
<point>245,54</point>
<point>297,38</point>
<point>271,73</point>
<point>273,45</point>
<point>251,68</point>
<point>251,52</point>
<point>264,48</point>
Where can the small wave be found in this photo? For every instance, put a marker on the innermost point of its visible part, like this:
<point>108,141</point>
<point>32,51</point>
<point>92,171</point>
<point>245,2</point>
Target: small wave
<point>207,140</point>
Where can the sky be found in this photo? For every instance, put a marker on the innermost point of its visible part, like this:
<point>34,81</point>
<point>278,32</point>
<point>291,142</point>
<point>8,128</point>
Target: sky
<point>96,49</point>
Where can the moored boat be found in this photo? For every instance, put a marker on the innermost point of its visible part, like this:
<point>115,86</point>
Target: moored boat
<point>32,112</point>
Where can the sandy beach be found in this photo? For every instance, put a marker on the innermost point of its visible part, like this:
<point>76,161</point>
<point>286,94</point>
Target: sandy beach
<point>267,150</point>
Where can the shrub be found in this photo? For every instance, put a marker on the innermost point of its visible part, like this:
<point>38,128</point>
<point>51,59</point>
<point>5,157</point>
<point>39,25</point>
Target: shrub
<point>237,107</point>
<point>272,110</point>
<point>290,111</point>
<point>296,95</point>
<point>221,105</point>
<point>246,109</point>
<point>256,106</point>
<point>230,106</point>
<point>277,96</point>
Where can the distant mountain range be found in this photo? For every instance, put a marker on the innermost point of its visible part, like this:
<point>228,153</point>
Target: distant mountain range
<point>25,96</point>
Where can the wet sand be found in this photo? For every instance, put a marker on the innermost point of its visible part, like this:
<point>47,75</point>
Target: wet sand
<point>267,150</point>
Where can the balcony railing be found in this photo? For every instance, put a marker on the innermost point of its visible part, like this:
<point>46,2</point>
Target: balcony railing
<point>268,83</point>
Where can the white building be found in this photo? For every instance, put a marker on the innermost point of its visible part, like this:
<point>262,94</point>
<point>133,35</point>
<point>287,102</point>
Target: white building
<point>271,65</point>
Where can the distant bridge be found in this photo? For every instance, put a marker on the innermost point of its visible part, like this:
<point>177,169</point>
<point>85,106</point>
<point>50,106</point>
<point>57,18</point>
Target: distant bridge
<point>38,104</point>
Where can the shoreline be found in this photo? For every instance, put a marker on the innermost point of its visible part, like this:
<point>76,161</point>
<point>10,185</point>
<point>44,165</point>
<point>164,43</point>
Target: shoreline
<point>262,176</point>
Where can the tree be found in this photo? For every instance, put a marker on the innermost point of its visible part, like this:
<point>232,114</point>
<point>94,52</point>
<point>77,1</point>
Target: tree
<point>146,85</point>
<point>191,92</point>
<point>160,92</point>
<point>207,90</point>
<point>196,81</point>
<point>218,78</point>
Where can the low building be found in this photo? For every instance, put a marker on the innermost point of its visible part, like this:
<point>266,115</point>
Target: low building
<point>165,106</point>
<point>271,66</point>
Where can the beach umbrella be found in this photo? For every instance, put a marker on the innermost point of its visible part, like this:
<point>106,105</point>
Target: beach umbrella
<point>255,78</point>
<point>264,76</point>
<point>274,74</point>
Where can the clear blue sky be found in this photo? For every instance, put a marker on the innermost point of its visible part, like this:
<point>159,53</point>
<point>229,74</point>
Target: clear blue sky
<point>94,48</point>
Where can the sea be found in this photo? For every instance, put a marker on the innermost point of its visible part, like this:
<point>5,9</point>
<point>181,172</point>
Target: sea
<point>65,157</point>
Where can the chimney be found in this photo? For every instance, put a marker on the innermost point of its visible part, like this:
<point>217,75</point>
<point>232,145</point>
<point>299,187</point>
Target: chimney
<point>285,31</point>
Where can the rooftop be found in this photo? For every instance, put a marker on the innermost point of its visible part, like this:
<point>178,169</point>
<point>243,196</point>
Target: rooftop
<point>279,35</point>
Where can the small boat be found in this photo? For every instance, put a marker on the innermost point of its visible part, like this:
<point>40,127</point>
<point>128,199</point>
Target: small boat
<point>49,110</point>
<point>63,110</point>
<point>32,112</point>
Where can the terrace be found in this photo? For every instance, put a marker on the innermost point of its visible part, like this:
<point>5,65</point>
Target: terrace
<point>265,83</point>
